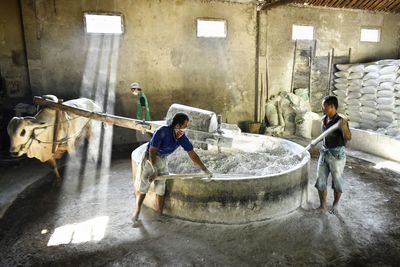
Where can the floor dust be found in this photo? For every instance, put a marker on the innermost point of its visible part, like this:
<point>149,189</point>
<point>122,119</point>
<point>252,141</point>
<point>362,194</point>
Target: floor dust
<point>366,231</point>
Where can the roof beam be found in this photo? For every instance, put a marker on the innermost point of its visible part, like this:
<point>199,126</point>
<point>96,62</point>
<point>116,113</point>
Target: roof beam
<point>377,5</point>
<point>339,4</point>
<point>269,4</point>
<point>391,6</point>
<point>372,5</point>
<point>366,4</point>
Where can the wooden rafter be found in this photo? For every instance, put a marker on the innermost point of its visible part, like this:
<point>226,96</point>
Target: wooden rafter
<point>272,4</point>
<point>372,5</point>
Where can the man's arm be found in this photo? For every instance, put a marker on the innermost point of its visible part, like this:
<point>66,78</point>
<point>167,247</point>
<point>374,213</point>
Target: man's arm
<point>143,105</point>
<point>344,126</point>
<point>153,155</point>
<point>153,159</point>
<point>196,159</point>
<point>144,112</point>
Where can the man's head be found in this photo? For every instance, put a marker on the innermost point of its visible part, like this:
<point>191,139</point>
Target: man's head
<point>135,88</point>
<point>330,105</point>
<point>180,121</point>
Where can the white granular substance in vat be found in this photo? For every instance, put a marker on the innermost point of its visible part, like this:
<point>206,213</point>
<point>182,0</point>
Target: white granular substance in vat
<point>238,163</point>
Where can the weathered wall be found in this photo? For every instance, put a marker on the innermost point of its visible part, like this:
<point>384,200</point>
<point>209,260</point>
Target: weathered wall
<point>334,28</point>
<point>13,67</point>
<point>159,49</point>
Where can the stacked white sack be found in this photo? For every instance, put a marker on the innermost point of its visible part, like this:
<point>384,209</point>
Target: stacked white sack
<point>368,97</point>
<point>386,95</point>
<point>341,85</point>
<point>353,74</point>
<point>397,97</point>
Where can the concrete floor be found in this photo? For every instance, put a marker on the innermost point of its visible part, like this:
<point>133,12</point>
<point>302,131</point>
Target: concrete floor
<point>366,231</point>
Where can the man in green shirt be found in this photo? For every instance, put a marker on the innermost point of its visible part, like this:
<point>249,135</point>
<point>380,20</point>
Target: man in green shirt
<point>142,106</point>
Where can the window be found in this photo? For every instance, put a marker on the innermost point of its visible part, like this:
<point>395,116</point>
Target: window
<point>370,35</point>
<point>101,23</point>
<point>300,32</point>
<point>211,28</point>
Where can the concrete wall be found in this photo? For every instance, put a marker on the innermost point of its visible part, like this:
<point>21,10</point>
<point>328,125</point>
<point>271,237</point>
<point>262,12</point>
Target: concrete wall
<point>13,68</point>
<point>159,49</point>
<point>334,28</point>
<point>376,144</point>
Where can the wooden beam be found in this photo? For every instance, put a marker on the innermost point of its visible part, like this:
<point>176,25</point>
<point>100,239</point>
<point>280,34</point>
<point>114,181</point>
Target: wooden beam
<point>367,3</point>
<point>216,139</point>
<point>377,4</point>
<point>391,6</point>
<point>350,4</point>
<point>321,3</point>
<point>340,3</point>
<point>104,117</point>
<point>383,5</point>
<point>333,3</point>
<point>56,128</point>
<point>396,9</point>
<point>270,5</point>
<point>329,2</point>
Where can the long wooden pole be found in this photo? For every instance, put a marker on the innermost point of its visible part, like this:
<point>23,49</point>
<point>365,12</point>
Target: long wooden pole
<point>139,125</point>
<point>216,139</point>
<point>56,128</point>
<point>293,67</point>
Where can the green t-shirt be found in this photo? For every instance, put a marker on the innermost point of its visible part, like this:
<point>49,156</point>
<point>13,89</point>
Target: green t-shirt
<point>142,102</point>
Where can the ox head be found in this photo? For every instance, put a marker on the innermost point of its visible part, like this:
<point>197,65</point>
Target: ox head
<point>20,131</point>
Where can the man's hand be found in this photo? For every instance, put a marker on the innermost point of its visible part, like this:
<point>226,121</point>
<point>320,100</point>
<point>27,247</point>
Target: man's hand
<point>152,171</point>
<point>208,173</point>
<point>152,177</point>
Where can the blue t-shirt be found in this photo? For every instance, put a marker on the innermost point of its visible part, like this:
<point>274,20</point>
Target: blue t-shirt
<point>166,143</point>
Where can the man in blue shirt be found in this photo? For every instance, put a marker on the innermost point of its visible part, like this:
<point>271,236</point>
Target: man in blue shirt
<point>153,160</point>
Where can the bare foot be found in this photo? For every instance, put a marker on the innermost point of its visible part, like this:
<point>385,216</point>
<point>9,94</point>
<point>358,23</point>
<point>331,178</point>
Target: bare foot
<point>136,223</point>
<point>334,210</point>
<point>135,217</point>
<point>322,209</point>
<point>161,218</point>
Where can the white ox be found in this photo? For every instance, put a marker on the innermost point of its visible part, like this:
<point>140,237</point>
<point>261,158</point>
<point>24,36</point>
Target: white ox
<point>34,135</point>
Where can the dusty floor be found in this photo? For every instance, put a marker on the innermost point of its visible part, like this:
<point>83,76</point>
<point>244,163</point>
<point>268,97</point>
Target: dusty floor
<point>365,233</point>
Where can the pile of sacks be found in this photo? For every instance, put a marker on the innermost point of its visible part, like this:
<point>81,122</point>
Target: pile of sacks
<point>369,93</point>
<point>289,114</point>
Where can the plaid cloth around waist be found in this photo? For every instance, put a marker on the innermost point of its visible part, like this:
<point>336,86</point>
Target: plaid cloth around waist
<point>337,152</point>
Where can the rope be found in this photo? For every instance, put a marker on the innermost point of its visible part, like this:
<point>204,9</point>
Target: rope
<point>62,141</point>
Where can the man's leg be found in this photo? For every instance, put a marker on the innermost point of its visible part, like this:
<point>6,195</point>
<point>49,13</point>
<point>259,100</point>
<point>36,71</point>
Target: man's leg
<point>139,201</point>
<point>160,204</point>
<point>321,183</point>
<point>337,168</point>
<point>162,167</point>
<point>322,200</point>
<point>336,199</point>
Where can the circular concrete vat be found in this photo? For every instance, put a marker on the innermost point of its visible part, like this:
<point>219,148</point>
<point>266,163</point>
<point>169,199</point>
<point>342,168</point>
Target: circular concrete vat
<point>231,199</point>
